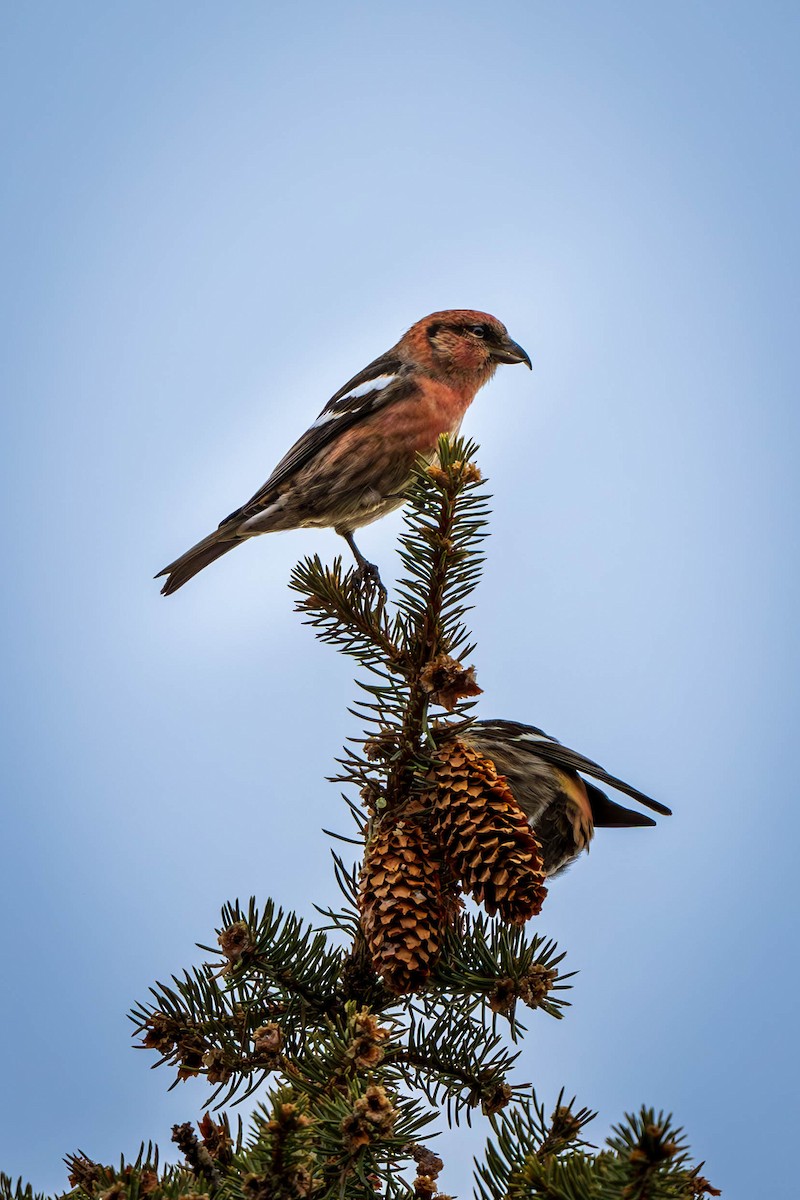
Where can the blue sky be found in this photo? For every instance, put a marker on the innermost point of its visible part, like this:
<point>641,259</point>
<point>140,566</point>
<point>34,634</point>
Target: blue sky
<point>213,216</point>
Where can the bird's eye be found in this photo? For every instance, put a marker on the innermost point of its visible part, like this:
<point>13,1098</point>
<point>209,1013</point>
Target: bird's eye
<point>479,331</point>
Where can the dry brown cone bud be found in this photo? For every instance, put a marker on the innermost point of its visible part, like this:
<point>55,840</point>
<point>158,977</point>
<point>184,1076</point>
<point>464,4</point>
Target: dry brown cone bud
<point>425,1187</point>
<point>564,1124</point>
<point>429,1166</point>
<point>172,1039</point>
<point>404,912</point>
<point>427,1162</point>
<point>460,473</point>
<point>163,1033</point>
<point>83,1173</point>
<point>534,987</point>
<point>497,1099</point>
<point>287,1118</point>
<point>701,1187</point>
<point>485,835</point>
<point>217,1069</point>
<point>195,1152</point>
<point>267,1044</point>
<point>366,1049</point>
<point>446,681</point>
<point>236,943</point>
<point>191,1061</point>
<point>373,1117</point>
<point>216,1138</point>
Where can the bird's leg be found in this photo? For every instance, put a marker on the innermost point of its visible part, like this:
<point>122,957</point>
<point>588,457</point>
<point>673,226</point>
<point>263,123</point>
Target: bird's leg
<point>366,572</point>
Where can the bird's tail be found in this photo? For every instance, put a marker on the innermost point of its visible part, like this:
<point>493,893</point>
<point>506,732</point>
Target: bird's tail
<point>181,571</point>
<point>606,813</point>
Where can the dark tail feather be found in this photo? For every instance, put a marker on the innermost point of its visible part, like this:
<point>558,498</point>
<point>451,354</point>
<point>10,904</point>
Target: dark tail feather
<point>606,813</point>
<point>205,552</point>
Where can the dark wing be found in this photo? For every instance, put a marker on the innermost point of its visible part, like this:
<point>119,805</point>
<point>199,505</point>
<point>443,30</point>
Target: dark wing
<point>562,756</point>
<point>553,752</point>
<point>515,730</point>
<point>385,380</point>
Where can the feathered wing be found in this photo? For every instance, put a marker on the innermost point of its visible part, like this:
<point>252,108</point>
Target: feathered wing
<point>564,757</point>
<point>548,749</point>
<point>390,381</point>
<point>384,380</point>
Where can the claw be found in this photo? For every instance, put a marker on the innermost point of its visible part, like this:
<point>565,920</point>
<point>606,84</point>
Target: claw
<point>366,575</point>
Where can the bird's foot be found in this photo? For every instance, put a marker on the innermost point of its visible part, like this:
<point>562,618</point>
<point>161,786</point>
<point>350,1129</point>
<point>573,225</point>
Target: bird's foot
<point>367,576</point>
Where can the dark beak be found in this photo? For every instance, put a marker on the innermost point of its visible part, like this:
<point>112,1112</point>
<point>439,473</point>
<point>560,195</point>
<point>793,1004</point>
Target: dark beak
<point>509,352</point>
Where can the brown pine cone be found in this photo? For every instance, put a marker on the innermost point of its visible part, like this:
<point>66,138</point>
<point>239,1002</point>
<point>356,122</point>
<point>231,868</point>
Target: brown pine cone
<point>485,836</point>
<point>404,911</point>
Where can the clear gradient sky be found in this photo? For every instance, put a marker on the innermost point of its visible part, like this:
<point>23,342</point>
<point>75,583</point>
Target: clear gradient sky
<point>214,214</point>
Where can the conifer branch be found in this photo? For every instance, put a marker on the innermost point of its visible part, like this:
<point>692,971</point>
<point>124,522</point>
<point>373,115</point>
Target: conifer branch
<point>9,1190</point>
<point>341,613</point>
<point>403,1008</point>
<point>645,1158</point>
